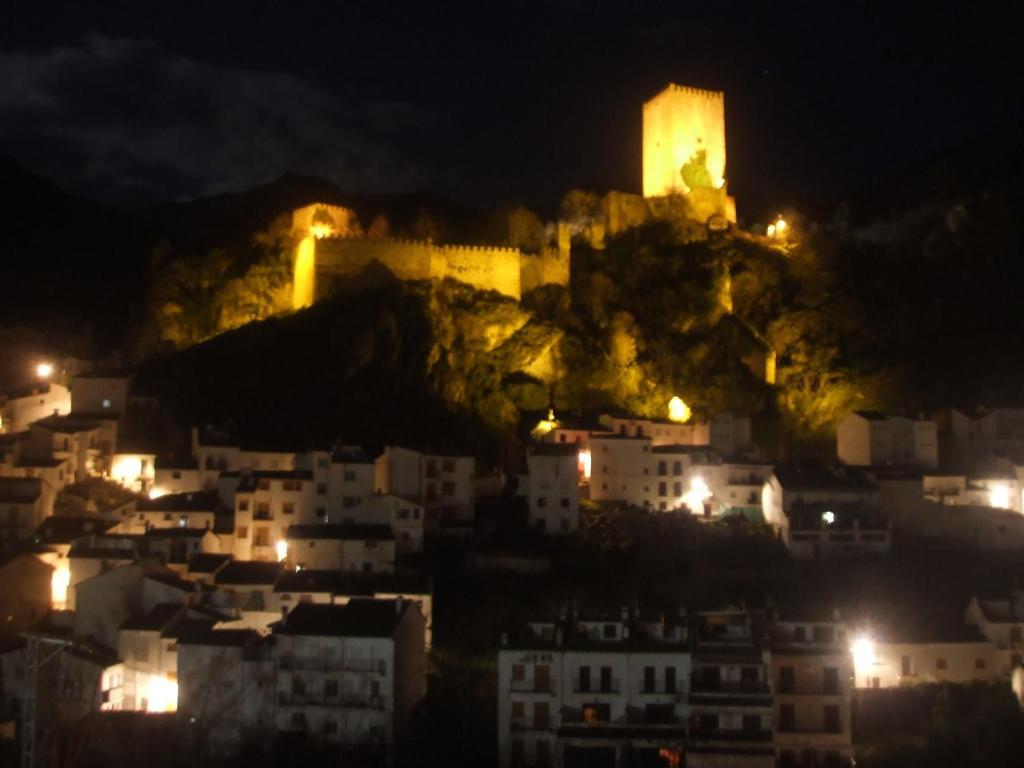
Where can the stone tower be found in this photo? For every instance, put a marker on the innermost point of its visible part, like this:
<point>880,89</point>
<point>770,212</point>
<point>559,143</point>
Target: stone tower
<point>684,147</point>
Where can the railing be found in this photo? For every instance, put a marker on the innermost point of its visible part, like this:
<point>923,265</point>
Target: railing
<point>723,734</point>
<point>808,690</point>
<point>262,515</point>
<point>366,666</point>
<point>343,701</point>
<point>596,688</point>
<point>756,688</point>
<point>534,686</point>
<point>532,724</point>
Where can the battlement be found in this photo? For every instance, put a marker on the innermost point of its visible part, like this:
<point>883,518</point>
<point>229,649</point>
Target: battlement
<point>672,88</point>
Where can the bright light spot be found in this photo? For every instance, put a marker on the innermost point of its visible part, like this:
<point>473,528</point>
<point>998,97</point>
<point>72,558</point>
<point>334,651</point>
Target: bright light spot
<point>156,493</point>
<point>59,583</point>
<point>585,463</point>
<point>999,496</point>
<point>544,426</point>
<point>864,657</point>
<point>697,495</point>
<point>161,695</point>
<point>678,410</point>
<point>780,226</point>
<point>44,370</point>
<point>770,231</point>
<point>828,517</point>
<point>719,183</point>
<point>320,231</point>
<point>127,470</point>
<point>282,549</point>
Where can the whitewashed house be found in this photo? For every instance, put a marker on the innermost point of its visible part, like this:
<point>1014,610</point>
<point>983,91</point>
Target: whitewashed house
<point>873,439</point>
<point>554,488</point>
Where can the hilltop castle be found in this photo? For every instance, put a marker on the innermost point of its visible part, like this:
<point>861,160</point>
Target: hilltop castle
<point>683,154</point>
<point>684,148</point>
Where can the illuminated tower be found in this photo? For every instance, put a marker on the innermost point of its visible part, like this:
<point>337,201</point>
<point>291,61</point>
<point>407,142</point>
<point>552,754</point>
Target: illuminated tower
<point>684,144</point>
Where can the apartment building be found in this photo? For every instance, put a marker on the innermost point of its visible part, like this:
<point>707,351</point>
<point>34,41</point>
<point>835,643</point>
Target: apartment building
<point>873,439</point>
<point>554,488</point>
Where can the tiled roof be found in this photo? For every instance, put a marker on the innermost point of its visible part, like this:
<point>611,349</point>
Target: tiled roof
<point>357,618</point>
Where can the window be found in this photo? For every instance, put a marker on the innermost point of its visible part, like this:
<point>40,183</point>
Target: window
<point>606,679</point>
<point>677,468</point>
<point>787,718</point>
<point>663,489</point>
<point>330,686</point>
<point>242,532</point>
<point>596,713</point>
<point>662,468</point>
<point>541,714</point>
<point>518,711</point>
<point>786,680</point>
<point>832,724</point>
<point>176,475</point>
<point>448,489</point>
<point>940,663</point>
<point>831,682</point>
<point>448,465</point>
<point>518,672</point>
<point>321,488</point>
<point>565,502</point>
<point>542,502</point>
<point>649,683</point>
<point>243,505</point>
<point>584,679</point>
<point>979,663</point>
<point>288,508</point>
<point>263,484</point>
<point>263,509</point>
<point>677,489</point>
<point>670,679</point>
<point>609,631</point>
<point>906,669</point>
<point>349,476</point>
<point>261,537</point>
<point>542,677</point>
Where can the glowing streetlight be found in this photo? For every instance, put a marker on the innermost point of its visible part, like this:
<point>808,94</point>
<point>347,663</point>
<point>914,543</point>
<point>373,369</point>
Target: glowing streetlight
<point>999,496</point>
<point>862,648</point>
<point>695,497</point>
<point>282,550</point>
<point>44,370</point>
<point>828,517</point>
<point>678,411</point>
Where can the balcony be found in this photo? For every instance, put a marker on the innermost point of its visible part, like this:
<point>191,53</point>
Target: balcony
<point>532,724</point>
<point>612,688</point>
<point>731,687</point>
<point>534,686</point>
<point>329,664</point>
<point>262,514</point>
<point>340,701</point>
<point>730,735</point>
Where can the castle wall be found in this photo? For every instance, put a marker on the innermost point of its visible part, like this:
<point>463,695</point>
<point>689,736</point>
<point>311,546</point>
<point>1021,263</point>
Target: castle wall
<point>550,266</point>
<point>678,122</point>
<point>494,269</point>
<point>318,260</point>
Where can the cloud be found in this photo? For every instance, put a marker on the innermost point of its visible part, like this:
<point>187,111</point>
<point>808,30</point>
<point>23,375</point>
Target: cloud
<point>127,121</point>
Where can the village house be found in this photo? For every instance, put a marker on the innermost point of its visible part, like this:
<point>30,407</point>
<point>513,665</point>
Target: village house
<point>443,485</point>
<point>579,691</point>
<point>31,403</point>
<point>267,502</point>
<point>226,689</point>
<point>191,509</point>
<point>250,584</point>
<point>873,439</point>
<point>175,475</point>
<point>812,674</point>
<point>1000,619</point>
<point>730,698</point>
<point>554,489</point>
<point>342,547</point>
<point>820,512</point>
<point>350,674</point>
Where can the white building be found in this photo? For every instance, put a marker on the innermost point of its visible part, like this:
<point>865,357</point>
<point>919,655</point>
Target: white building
<point>970,440</point>
<point>226,689</point>
<point>33,402</point>
<point>872,439</point>
<point>175,476</point>
<point>1000,619</point>
<point>350,674</point>
<point>554,488</point>
<point>442,484</point>
<point>193,509</point>
<point>812,679</point>
<point>726,434</point>
<point>266,504</point>
<point>730,692</point>
<point>592,691</point>
<point>820,512</point>
<point>250,585</point>
<point>342,547</point>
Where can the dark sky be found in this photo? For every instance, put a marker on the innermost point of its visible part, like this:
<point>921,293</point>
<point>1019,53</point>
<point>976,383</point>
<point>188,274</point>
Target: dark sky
<point>134,102</point>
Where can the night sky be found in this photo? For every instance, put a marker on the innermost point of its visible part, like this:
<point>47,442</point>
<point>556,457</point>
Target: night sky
<point>490,102</point>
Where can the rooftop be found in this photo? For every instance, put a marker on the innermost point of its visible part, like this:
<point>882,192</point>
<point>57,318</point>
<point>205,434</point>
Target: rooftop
<point>70,424</point>
<point>207,562</point>
<point>191,501</point>
<point>358,618</point>
<point>160,616</point>
<point>249,572</point>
